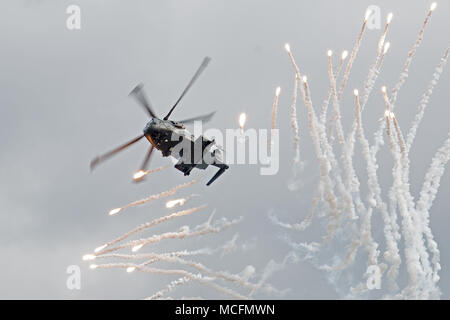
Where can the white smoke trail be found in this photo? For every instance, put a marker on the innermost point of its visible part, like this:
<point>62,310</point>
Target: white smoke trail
<point>271,268</point>
<point>274,117</point>
<point>392,194</point>
<point>224,275</point>
<point>351,180</point>
<point>327,161</point>
<point>428,284</point>
<point>326,102</point>
<point>376,65</point>
<point>170,287</point>
<point>366,226</point>
<point>275,108</point>
<point>409,230</point>
<point>229,246</point>
<point>425,99</point>
<point>427,195</point>
<point>405,71</point>
<point>323,163</point>
<point>307,221</point>
<point>152,197</point>
<point>150,225</point>
<point>183,253</point>
<point>350,257</point>
<point>336,119</point>
<point>294,123</point>
<point>392,252</point>
<point>352,57</point>
<point>208,281</point>
<point>297,163</point>
<point>184,232</point>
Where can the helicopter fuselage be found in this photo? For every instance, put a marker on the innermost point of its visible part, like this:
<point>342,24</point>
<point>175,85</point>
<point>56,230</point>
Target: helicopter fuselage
<point>164,135</point>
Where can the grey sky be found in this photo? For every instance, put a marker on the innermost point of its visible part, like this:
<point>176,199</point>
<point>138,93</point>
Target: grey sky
<point>63,98</point>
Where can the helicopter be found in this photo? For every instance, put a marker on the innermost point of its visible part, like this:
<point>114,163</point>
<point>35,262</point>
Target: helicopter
<point>172,139</point>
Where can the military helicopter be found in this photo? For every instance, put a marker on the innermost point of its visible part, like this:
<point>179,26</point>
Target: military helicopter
<point>168,135</point>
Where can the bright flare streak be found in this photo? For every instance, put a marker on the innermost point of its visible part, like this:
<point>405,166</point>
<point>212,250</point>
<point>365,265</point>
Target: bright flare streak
<point>387,113</point>
<point>277,92</point>
<point>138,175</point>
<point>389,17</point>
<point>100,248</point>
<point>287,47</point>
<point>387,45</point>
<point>433,6</point>
<point>392,115</point>
<point>242,119</point>
<point>329,53</point>
<point>355,92</point>
<point>93,266</point>
<point>137,248</point>
<point>344,54</point>
<point>173,203</point>
<point>367,15</point>
<point>87,257</point>
<point>115,211</point>
<point>305,78</point>
<point>383,89</point>
<point>131,269</point>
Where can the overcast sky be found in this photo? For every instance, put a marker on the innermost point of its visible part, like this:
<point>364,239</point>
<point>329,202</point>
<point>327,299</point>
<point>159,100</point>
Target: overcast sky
<point>64,99</point>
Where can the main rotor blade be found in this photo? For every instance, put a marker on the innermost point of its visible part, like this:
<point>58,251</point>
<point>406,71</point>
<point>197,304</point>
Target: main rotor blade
<point>96,161</point>
<point>200,69</point>
<point>142,99</point>
<point>204,118</point>
<point>140,174</point>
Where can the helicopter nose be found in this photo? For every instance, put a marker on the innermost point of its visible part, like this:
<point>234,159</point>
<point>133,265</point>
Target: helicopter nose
<point>151,127</point>
<point>148,128</point>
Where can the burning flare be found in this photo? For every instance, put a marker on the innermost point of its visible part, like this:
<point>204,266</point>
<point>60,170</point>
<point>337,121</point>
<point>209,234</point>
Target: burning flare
<point>131,269</point>
<point>367,15</point>
<point>389,17</point>
<point>242,119</point>
<point>114,211</point>
<point>137,247</point>
<point>98,249</point>
<point>176,202</point>
<point>88,257</point>
<point>287,47</point>
<point>433,6</point>
<point>277,91</point>
<point>387,45</point>
<point>138,175</point>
